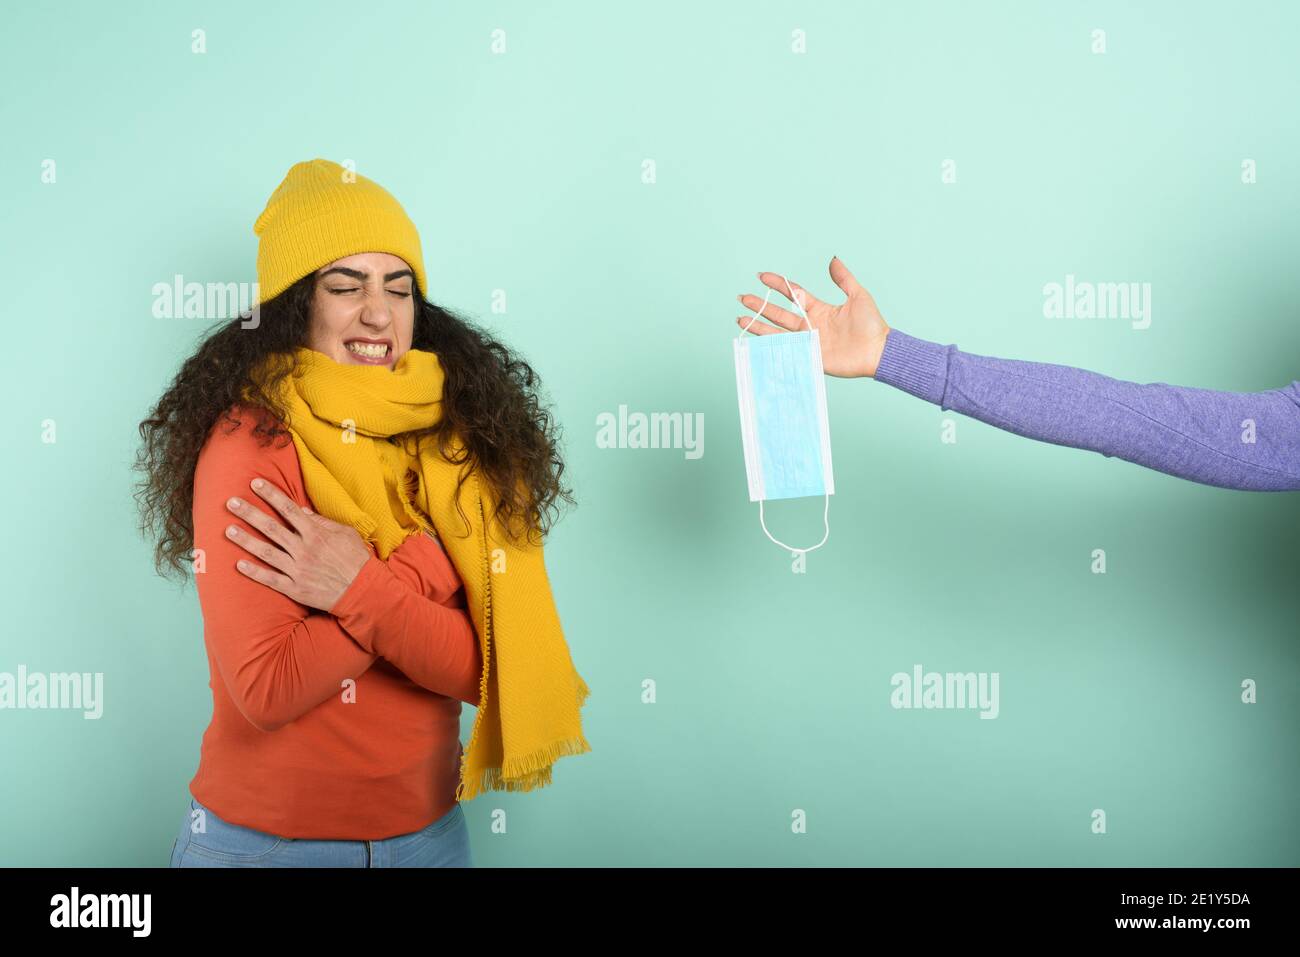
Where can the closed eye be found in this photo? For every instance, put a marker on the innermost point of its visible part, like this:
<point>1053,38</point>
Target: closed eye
<point>341,291</point>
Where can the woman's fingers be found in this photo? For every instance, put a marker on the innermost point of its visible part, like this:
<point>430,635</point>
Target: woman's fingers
<point>771,312</point>
<point>283,504</point>
<point>281,583</point>
<point>265,524</point>
<point>760,328</point>
<point>789,289</point>
<point>263,550</point>
<point>841,276</point>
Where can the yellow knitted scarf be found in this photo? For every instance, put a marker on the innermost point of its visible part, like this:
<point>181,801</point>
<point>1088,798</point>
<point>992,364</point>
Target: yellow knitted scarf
<point>340,416</point>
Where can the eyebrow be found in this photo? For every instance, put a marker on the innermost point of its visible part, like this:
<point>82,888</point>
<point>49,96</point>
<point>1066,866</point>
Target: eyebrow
<point>363,275</point>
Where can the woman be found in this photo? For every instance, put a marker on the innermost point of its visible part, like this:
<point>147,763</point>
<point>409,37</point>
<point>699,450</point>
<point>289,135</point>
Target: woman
<point>1246,440</point>
<point>346,615</point>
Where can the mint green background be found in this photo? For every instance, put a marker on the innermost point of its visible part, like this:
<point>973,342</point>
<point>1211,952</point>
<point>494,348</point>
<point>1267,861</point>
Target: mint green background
<point>522,172</point>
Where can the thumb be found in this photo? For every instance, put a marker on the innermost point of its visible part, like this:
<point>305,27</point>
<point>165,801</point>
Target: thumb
<point>843,278</point>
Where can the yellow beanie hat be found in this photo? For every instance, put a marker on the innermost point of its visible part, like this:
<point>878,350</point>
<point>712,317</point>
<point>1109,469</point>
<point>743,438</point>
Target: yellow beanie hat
<point>321,212</point>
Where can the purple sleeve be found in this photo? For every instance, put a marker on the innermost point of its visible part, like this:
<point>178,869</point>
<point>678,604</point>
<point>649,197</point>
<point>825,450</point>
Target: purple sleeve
<point>1196,434</point>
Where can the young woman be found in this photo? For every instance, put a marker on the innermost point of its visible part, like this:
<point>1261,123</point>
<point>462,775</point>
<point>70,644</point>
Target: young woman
<point>1236,440</point>
<point>346,617</point>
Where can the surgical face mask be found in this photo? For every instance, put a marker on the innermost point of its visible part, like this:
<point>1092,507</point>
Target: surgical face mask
<point>783,422</point>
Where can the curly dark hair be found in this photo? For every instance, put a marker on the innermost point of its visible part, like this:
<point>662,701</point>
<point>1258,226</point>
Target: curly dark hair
<point>490,403</point>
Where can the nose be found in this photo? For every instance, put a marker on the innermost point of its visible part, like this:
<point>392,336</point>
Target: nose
<point>377,315</point>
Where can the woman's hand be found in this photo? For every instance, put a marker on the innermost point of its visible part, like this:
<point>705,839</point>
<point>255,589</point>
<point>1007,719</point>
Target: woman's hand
<point>319,558</point>
<point>852,334</point>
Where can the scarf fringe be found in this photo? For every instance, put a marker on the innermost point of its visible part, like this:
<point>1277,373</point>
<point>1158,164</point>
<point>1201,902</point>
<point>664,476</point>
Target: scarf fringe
<point>409,485</point>
<point>524,773</point>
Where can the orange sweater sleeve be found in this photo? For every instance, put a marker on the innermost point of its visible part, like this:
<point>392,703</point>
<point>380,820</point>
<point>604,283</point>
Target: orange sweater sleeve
<point>432,644</point>
<point>278,659</point>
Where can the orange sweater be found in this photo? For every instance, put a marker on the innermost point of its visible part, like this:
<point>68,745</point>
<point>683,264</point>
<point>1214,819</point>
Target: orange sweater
<point>342,725</point>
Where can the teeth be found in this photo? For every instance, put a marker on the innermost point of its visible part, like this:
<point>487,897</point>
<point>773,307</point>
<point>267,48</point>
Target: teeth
<point>369,351</point>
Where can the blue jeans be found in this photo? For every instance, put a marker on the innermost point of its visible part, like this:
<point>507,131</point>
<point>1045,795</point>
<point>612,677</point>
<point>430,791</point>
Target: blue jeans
<point>444,843</point>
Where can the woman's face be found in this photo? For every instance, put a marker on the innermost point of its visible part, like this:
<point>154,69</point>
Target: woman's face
<point>363,302</point>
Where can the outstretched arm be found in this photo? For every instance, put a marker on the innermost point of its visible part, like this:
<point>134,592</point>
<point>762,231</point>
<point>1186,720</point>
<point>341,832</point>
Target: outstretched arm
<point>1238,440</point>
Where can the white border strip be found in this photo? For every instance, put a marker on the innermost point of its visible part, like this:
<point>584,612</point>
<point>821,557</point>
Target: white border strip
<point>823,418</point>
<point>748,420</point>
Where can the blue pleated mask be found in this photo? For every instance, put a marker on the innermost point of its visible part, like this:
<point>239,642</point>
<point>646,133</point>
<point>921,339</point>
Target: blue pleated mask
<point>783,423</point>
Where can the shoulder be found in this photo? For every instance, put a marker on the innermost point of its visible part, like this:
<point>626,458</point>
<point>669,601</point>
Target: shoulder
<point>235,448</point>
<point>236,432</point>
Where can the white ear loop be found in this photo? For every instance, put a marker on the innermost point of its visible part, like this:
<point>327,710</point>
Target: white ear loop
<point>827,507</point>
